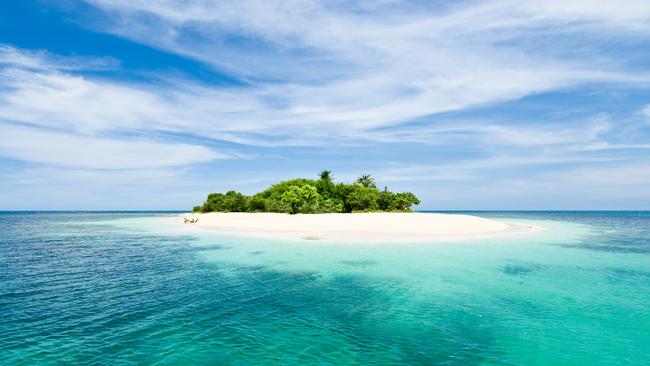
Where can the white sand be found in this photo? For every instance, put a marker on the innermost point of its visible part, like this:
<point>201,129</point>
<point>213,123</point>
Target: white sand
<point>366,227</point>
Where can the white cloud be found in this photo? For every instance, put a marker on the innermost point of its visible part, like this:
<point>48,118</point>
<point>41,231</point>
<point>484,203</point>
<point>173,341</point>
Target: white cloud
<point>646,113</point>
<point>355,67</point>
<point>338,70</point>
<point>59,100</point>
<point>84,152</point>
<point>266,115</point>
<point>510,183</point>
<point>620,13</point>
<point>486,168</point>
<point>43,60</point>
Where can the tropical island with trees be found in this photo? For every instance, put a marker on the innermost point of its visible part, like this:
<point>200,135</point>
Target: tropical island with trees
<point>310,196</point>
<point>284,211</point>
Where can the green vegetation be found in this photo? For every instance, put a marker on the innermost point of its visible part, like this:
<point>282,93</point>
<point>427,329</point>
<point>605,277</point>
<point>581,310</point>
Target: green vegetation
<point>321,195</point>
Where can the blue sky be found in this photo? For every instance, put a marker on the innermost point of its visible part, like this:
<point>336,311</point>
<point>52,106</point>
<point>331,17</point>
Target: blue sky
<point>133,104</point>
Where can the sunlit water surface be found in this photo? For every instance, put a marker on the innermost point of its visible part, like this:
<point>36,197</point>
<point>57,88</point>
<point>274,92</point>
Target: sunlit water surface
<point>136,288</point>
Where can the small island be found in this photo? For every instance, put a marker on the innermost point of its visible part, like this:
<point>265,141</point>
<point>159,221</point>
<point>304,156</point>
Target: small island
<point>319,209</point>
<point>312,196</point>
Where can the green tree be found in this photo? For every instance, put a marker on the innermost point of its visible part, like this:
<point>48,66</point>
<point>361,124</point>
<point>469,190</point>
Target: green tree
<point>235,202</point>
<point>385,200</point>
<point>257,204</point>
<point>403,201</point>
<point>325,175</point>
<point>300,197</point>
<point>360,198</point>
<point>366,180</point>
<point>325,184</point>
<point>215,202</point>
<point>327,205</point>
<point>292,198</point>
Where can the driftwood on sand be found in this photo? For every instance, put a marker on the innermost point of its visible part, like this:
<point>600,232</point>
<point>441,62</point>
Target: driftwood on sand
<point>190,221</point>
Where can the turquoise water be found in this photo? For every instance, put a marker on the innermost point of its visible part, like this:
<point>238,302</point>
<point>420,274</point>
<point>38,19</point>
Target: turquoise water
<point>134,288</point>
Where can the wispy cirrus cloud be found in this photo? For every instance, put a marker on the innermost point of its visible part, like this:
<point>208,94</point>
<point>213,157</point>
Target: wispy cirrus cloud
<point>43,60</point>
<point>263,115</point>
<point>73,151</point>
<point>645,112</point>
<point>50,116</point>
<point>355,66</point>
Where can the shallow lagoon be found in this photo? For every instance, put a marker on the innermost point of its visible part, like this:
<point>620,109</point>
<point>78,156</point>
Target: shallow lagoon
<point>126,288</point>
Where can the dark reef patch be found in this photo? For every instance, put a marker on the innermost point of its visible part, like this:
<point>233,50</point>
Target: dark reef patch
<point>205,248</point>
<point>361,263</point>
<point>628,274</point>
<point>520,269</point>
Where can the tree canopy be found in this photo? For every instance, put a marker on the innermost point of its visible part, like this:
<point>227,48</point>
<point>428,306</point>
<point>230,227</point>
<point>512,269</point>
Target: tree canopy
<point>302,195</point>
<point>366,180</point>
<point>326,175</point>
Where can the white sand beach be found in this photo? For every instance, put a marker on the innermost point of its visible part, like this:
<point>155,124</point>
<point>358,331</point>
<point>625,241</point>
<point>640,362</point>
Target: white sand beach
<point>366,227</point>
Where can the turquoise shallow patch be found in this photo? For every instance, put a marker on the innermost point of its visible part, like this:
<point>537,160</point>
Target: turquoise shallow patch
<point>88,288</point>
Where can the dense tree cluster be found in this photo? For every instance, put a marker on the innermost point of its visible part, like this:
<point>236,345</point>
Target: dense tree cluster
<point>321,195</point>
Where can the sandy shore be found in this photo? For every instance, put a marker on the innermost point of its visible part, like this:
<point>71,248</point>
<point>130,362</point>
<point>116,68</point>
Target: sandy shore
<point>365,227</point>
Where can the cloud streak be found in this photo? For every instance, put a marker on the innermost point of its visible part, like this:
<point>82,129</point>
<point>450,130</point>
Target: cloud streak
<point>360,67</point>
<point>66,150</point>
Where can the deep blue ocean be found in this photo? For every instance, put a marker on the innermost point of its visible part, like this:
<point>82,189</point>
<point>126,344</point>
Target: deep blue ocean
<point>132,288</point>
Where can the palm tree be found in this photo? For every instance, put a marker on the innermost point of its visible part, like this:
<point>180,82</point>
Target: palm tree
<point>366,180</point>
<point>326,175</point>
